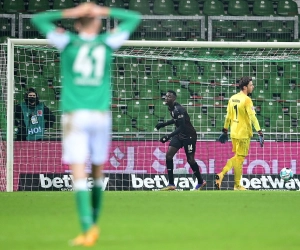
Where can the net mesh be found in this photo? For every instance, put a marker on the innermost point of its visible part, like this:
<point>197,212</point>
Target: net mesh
<point>2,118</point>
<point>203,78</point>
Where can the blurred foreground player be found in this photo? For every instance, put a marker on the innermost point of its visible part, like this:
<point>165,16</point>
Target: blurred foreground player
<point>240,117</point>
<point>86,96</point>
<point>184,136</point>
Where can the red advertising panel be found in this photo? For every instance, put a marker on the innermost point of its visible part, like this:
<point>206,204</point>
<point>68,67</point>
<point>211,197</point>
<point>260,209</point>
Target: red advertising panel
<point>148,157</point>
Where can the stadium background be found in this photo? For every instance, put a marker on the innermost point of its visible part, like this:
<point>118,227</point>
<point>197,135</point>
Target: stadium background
<point>139,84</point>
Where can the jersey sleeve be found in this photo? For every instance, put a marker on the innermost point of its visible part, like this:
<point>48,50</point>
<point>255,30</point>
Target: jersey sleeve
<point>249,107</point>
<point>129,22</point>
<point>228,116</point>
<point>44,23</point>
<point>180,121</point>
<point>251,112</point>
<point>58,40</point>
<point>179,114</point>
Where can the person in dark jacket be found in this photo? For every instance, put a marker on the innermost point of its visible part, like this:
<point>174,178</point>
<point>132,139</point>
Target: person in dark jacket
<point>32,117</point>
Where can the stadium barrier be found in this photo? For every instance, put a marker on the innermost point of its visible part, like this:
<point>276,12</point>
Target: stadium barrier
<point>127,158</point>
<point>154,182</point>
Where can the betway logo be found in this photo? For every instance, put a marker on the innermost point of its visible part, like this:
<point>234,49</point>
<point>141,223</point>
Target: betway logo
<point>267,182</point>
<point>65,182</point>
<point>160,181</point>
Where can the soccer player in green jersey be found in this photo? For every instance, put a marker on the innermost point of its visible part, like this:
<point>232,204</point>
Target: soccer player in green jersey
<point>240,117</point>
<point>85,98</point>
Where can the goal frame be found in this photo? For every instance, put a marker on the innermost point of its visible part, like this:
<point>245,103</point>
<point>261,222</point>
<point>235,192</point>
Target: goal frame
<point>132,43</point>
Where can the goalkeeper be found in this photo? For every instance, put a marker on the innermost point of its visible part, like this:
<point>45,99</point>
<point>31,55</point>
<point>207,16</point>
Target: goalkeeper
<point>184,136</point>
<point>86,98</point>
<point>240,117</point>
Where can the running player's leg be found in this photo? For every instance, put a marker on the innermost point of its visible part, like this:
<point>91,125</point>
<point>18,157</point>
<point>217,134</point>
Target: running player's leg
<point>174,146</point>
<point>75,153</point>
<point>242,148</point>
<point>190,149</point>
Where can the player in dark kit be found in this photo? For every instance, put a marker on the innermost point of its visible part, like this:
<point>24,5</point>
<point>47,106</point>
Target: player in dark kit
<point>184,136</point>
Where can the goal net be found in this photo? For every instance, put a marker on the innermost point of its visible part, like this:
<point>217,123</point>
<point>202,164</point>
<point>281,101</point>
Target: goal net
<point>203,74</point>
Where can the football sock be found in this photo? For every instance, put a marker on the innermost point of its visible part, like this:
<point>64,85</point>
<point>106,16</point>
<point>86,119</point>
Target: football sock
<point>230,163</point>
<point>170,167</point>
<point>83,204</point>
<point>196,172</point>
<point>97,196</point>
<point>238,170</point>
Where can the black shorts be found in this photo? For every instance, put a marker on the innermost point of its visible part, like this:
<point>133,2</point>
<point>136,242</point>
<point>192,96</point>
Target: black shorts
<point>188,144</point>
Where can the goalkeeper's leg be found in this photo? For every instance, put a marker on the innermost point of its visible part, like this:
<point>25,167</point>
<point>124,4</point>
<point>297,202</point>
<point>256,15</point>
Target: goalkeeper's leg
<point>242,149</point>
<point>219,177</point>
<point>229,165</point>
<point>238,172</point>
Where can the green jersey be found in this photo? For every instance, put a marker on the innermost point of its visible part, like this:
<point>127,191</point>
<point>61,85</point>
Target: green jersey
<point>85,60</point>
<point>85,74</point>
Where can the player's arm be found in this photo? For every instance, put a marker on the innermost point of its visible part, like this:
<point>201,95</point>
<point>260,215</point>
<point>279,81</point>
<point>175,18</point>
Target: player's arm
<point>181,122</point>
<point>227,119</point>
<point>224,136</point>
<point>164,124</point>
<point>129,20</point>
<point>44,22</point>
<point>252,115</point>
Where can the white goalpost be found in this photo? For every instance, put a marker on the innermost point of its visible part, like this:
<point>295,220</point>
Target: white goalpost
<point>204,76</point>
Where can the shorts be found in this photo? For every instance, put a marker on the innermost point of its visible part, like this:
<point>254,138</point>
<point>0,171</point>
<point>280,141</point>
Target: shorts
<point>240,146</point>
<point>188,144</point>
<point>86,136</point>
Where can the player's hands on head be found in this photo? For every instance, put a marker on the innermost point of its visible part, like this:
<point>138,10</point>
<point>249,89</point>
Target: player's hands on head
<point>60,30</point>
<point>164,139</point>
<point>86,8</point>
<point>159,125</point>
<point>261,138</point>
<point>81,10</point>
<point>99,11</point>
<point>224,136</point>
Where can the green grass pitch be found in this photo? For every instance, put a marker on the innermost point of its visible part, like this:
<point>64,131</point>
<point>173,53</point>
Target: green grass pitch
<point>209,220</point>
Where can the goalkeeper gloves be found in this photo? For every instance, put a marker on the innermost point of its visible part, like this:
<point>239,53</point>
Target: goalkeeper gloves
<point>164,139</point>
<point>261,138</point>
<point>160,125</point>
<point>224,136</point>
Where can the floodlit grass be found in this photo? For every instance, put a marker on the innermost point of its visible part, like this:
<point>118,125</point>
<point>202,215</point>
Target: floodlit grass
<point>155,220</point>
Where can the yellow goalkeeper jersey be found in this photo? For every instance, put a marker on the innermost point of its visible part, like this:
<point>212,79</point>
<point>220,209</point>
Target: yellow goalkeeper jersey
<point>241,116</point>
